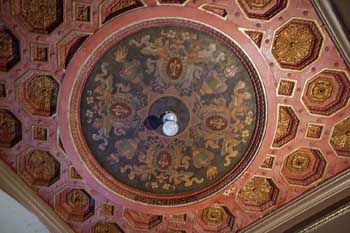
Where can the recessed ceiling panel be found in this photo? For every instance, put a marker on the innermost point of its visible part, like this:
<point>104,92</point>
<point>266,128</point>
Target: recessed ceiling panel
<point>151,68</point>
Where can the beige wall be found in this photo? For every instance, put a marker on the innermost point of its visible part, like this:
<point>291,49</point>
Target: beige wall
<point>15,218</point>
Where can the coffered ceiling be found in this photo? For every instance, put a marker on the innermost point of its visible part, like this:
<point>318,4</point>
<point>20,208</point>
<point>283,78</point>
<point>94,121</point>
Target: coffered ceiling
<point>261,90</point>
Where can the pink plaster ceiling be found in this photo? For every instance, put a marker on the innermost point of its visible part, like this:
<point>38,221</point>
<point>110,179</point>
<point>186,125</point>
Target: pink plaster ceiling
<point>306,84</point>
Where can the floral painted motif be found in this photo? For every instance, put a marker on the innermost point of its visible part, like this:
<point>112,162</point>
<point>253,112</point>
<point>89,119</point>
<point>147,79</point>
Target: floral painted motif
<point>188,71</point>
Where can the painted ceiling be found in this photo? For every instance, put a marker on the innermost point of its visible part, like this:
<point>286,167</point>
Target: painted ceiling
<point>178,69</point>
<point>261,92</point>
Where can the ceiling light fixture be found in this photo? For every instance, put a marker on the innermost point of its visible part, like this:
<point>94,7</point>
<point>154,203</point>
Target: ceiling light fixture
<point>170,127</point>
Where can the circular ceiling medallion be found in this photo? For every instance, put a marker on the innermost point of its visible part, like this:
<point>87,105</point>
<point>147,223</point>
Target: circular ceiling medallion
<point>145,70</point>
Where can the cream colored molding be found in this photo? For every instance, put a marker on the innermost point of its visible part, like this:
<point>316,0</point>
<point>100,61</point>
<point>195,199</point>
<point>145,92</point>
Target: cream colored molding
<point>328,16</point>
<point>303,207</point>
<point>15,187</point>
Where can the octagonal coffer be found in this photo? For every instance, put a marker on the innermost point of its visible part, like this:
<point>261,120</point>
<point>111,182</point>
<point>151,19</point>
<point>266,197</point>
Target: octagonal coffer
<point>38,16</point>
<point>9,49</point>
<point>38,93</point>
<point>39,167</point>
<point>340,139</point>
<point>259,194</point>
<point>10,130</point>
<point>106,227</point>
<point>140,220</point>
<point>74,204</point>
<point>262,9</point>
<point>215,218</point>
<point>327,92</point>
<point>304,166</point>
<point>297,44</point>
<point>171,1</point>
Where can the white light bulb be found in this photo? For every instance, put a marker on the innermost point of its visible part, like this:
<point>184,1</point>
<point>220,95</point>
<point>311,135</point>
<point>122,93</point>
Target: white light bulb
<point>170,128</point>
<point>170,117</point>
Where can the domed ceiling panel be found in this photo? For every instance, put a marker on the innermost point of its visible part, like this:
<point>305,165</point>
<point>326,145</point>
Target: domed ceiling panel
<point>260,91</point>
<point>161,66</point>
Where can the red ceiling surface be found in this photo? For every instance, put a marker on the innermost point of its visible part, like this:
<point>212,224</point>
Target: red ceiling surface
<point>43,45</point>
